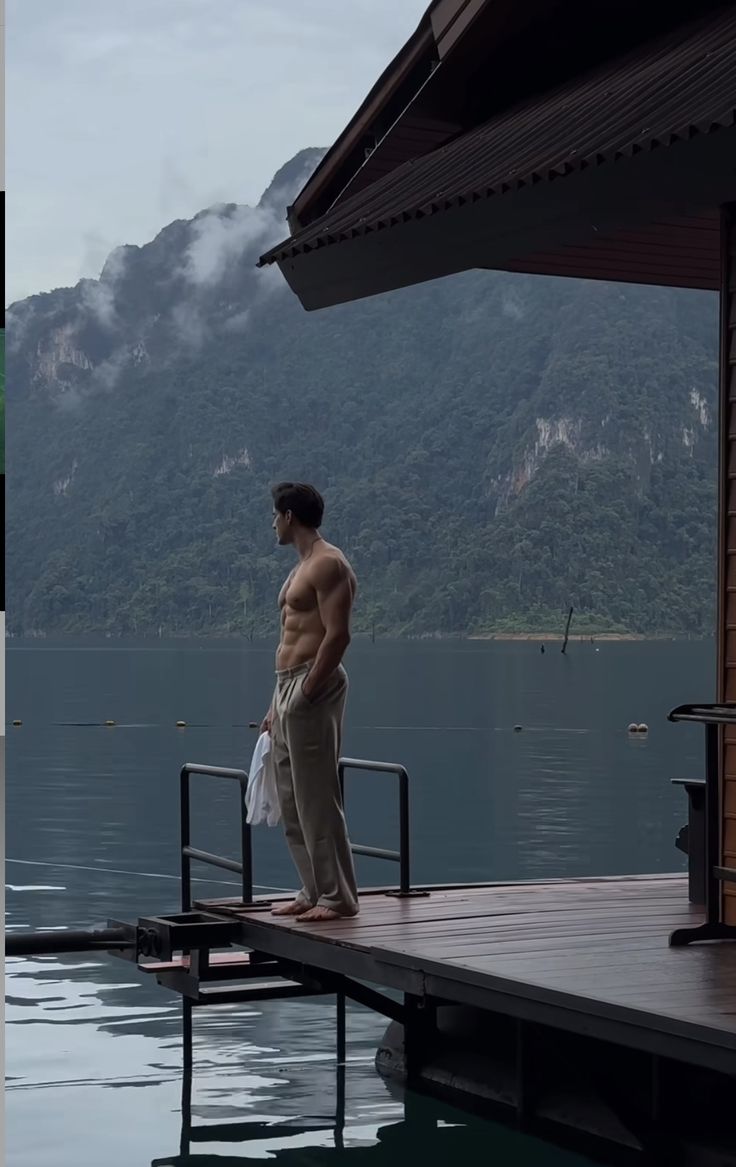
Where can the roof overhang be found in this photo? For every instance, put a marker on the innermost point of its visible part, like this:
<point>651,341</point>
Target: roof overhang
<point>562,227</point>
<point>615,174</point>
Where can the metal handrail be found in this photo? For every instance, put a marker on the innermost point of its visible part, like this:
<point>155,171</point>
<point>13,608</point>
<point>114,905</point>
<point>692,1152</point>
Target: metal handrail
<point>402,855</point>
<point>720,713</point>
<point>188,853</point>
<point>244,867</point>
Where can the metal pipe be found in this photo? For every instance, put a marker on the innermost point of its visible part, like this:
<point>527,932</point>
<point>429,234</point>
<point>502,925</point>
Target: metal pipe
<point>213,860</point>
<point>341,1028</point>
<point>214,771</point>
<point>341,1075</point>
<point>722,713</point>
<point>246,848</point>
<point>404,877</point>
<point>403,854</point>
<point>245,867</point>
<point>375,852</point>
<point>379,767</point>
<point>186,866</point>
<point>69,940</point>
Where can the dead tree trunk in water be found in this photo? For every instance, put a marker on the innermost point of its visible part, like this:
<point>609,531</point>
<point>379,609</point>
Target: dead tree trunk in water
<point>567,630</point>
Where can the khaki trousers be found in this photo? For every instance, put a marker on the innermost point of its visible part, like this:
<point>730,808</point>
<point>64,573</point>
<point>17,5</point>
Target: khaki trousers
<point>306,737</point>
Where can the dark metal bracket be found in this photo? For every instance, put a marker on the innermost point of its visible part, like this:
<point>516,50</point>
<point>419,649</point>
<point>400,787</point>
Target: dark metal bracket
<point>715,931</point>
<point>337,983</point>
<point>162,936</point>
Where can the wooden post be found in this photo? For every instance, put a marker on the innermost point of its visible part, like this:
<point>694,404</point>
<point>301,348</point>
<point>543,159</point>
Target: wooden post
<point>567,630</point>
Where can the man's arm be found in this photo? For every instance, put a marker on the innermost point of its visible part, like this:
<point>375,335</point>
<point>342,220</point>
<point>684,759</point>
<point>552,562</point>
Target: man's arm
<point>331,582</point>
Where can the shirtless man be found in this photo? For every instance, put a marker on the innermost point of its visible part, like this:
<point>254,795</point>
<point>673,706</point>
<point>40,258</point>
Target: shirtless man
<point>306,713</point>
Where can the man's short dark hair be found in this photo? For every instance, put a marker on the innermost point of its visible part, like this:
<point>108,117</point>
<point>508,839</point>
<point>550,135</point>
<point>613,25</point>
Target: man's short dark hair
<point>304,502</point>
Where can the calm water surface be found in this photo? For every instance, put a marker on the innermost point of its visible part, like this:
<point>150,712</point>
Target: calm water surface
<point>94,1051</point>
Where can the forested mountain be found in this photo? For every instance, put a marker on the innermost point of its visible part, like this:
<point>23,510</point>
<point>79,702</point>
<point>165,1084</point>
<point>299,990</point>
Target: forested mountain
<point>492,448</point>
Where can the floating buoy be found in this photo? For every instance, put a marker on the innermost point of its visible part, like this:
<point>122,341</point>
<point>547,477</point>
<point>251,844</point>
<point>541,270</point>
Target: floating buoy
<point>111,723</point>
<point>17,723</point>
<point>633,727</point>
<point>642,727</point>
<point>181,724</point>
<point>518,728</point>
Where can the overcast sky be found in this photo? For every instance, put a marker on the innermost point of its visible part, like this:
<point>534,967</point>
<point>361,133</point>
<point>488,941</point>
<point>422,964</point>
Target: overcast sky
<point>125,114</point>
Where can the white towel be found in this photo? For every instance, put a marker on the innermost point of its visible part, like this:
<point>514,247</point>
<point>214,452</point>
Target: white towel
<point>261,798</point>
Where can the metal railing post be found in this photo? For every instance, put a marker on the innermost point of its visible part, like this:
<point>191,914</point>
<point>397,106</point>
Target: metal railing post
<point>402,856</point>
<point>186,863</point>
<point>404,861</point>
<point>246,847</point>
<point>244,868</point>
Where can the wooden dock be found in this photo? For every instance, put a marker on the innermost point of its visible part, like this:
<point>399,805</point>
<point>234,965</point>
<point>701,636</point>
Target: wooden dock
<point>587,956</point>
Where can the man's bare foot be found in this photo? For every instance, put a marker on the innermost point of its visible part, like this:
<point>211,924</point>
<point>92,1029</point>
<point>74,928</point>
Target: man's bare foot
<point>318,914</point>
<point>295,908</point>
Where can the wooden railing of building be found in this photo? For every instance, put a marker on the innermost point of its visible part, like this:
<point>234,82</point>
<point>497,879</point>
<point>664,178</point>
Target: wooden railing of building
<point>727,548</point>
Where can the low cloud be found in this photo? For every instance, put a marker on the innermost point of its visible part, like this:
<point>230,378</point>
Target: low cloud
<point>103,379</point>
<point>188,325</point>
<point>115,264</point>
<point>107,374</point>
<point>98,296</point>
<point>222,236</point>
<point>17,322</point>
<point>99,299</point>
<point>226,233</point>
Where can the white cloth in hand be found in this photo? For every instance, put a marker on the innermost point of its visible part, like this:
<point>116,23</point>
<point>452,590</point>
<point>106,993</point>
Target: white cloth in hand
<point>261,798</point>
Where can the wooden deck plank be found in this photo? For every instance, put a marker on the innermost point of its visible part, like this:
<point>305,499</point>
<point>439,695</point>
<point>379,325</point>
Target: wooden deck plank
<point>539,927</point>
<point>698,966</point>
<point>525,893</point>
<point>470,902</point>
<point>482,916</point>
<point>577,948</point>
<point>637,983</point>
<point>618,961</point>
<point>575,944</point>
<point>404,933</point>
<point>520,928</point>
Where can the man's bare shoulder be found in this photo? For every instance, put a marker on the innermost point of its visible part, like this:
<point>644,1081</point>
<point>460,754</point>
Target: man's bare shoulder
<point>330,567</point>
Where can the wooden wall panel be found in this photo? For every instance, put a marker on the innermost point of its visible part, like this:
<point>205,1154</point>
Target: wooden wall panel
<point>726,631</point>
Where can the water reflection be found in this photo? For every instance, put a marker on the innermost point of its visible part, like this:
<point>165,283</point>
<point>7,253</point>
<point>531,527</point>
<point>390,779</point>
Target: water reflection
<point>426,1131</point>
<point>421,1127</point>
<point>123,1074</point>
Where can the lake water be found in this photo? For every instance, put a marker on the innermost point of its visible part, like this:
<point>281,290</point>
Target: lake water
<point>94,1050</point>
